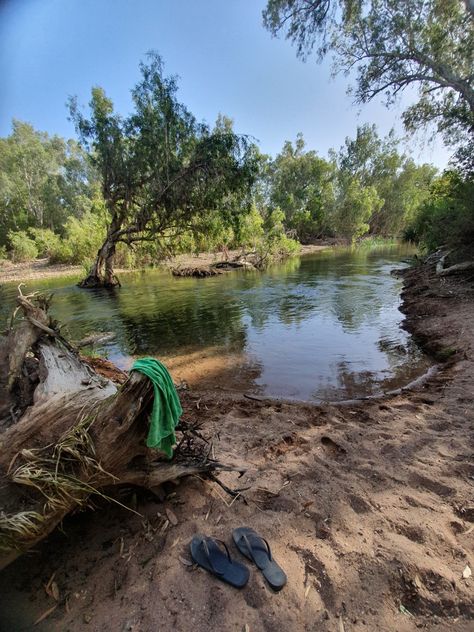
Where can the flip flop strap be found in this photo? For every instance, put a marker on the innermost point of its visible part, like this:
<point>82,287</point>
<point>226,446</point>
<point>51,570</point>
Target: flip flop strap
<point>208,555</point>
<point>249,546</point>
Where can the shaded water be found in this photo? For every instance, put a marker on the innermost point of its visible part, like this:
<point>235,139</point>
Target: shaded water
<point>325,326</point>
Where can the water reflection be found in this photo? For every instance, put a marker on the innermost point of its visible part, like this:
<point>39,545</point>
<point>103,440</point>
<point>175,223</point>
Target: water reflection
<point>320,327</point>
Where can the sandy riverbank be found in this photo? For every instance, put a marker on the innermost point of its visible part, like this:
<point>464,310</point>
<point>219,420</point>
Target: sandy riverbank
<point>368,507</point>
<point>41,269</point>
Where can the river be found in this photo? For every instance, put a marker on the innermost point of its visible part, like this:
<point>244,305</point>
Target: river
<point>320,327</point>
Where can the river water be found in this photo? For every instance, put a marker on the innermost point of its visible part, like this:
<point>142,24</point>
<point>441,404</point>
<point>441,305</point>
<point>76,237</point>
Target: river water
<point>320,327</point>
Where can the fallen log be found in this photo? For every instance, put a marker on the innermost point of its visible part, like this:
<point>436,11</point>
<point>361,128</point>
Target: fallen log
<point>67,433</point>
<point>457,268</point>
<point>197,272</point>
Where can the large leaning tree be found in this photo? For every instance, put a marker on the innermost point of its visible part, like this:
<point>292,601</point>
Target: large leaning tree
<point>392,45</point>
<point>159,167</point>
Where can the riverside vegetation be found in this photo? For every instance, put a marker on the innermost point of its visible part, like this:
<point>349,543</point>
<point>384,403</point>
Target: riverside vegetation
<point>136,189</point>
<point>52,203</point>
<point>369,503</point>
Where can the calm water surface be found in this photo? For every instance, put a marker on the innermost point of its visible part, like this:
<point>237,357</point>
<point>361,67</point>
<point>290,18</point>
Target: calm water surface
<point>325,326</point>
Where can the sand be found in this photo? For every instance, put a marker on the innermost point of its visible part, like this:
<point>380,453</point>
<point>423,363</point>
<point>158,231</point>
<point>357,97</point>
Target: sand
<point>368,507</point>
<point>42,269</point>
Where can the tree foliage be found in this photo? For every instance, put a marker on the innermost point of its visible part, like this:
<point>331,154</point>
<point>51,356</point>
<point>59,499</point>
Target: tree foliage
<point>159,167</point>
<point>300,184</point>
<point>446,217</point>
<point>367,186</point>
<point>43,180</point>
<point>390,45</point>
<point>400,184</point>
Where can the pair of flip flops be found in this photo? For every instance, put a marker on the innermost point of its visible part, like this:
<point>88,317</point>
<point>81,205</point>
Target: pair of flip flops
<point>214,556</point>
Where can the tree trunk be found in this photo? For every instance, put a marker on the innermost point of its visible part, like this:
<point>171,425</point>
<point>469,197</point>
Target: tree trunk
<point>102,272</point>
<point>72,436</point>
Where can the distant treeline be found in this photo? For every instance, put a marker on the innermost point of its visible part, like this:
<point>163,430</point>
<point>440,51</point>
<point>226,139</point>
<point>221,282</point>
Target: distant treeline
<point>51,201</point>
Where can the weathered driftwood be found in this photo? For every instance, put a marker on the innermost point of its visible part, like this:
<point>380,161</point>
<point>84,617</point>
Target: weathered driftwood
<point>440,257</point>
<point>457,268</point>
<point>68,433</point>
<point>213,269</point>
<point>199,272</point>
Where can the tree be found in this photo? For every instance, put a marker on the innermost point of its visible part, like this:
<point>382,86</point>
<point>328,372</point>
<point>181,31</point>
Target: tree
<point>446,217</point>
<point>159,167</point>
<point>403,196</point>
<point>355,206</point>
<point>391,45</point>
<point>69,434</point>
<point>401,184</point>
<point>301,185</point>
<point>44,179</point>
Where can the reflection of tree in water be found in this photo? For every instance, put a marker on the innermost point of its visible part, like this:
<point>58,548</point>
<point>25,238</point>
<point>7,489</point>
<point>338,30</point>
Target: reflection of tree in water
<point>349,384</point>
<point>295,308</point>
<point>354,303</point>
<point>361,291</point>
<point>353,384</point>
<point>155,314</point>
<point>281,297</point>
<point>194,319</point>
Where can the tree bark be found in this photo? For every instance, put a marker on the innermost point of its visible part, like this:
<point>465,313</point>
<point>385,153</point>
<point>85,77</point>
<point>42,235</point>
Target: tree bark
<point>78,435</point>
<point>102,272</point>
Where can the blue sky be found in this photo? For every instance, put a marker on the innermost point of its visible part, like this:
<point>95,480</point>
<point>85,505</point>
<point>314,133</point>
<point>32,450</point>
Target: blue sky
<point>226,60</point>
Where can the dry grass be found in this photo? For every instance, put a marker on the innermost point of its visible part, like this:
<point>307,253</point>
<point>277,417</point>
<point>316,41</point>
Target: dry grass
<point>54,471</point>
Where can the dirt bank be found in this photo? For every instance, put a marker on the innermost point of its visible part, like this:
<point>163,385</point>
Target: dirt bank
<point>41,269</point>
<point>368,507</point>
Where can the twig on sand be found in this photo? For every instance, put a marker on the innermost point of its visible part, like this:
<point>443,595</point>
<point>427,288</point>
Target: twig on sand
<point>230,491</point>
<point>253,397</point>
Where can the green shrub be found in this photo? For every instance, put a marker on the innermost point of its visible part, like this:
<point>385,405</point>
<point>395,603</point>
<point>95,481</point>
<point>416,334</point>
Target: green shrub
<point>22,248</point>
<point>63,253</point>
<point>250,230</point>
<point>356,206</point>
<point>125,257</point>
<point>275,245</point>
<point>447,217</point>
<point>82,239</point>
<point>46,241</point>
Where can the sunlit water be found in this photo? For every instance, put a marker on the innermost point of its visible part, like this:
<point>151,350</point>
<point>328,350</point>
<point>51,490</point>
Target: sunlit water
<point>325,326</point>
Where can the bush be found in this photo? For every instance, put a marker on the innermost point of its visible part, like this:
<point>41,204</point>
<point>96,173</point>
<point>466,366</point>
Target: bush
<point>22,248</point>
<point>125,257</point>
<point>63,253</point>
<point>3,257</point>
<point>250,229</point>
<point>447,217</point>
<point>83,238</point>
<point>356,206</point>
<point>275,245</point>
<point>46,241</point>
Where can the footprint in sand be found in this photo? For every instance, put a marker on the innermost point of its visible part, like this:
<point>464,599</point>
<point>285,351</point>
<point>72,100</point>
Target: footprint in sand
<point>332,448</point>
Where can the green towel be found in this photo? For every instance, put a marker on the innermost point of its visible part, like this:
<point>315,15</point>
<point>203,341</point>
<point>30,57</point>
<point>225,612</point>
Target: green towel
<point>166,405</point>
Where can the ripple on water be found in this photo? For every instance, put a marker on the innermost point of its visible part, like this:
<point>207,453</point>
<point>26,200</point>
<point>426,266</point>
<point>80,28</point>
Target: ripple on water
<point>326,326</point>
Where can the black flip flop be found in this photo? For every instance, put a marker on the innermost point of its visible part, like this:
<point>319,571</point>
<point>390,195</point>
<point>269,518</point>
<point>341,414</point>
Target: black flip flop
<point>207,553</point>
<point>257,549</point>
